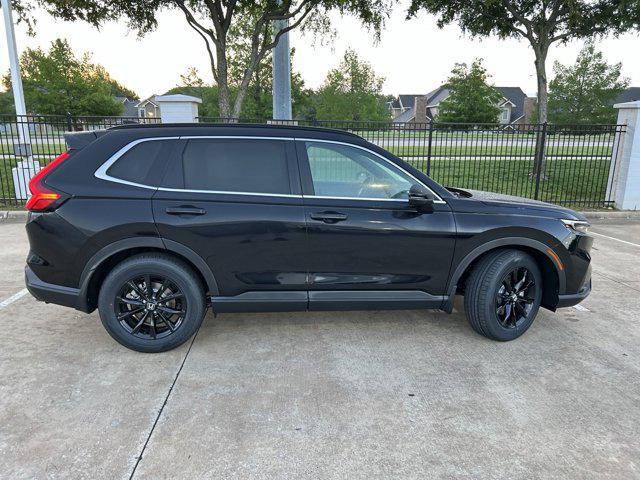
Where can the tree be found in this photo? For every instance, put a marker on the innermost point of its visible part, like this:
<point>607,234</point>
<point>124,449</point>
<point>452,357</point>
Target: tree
<point>352,91</point>
<point>217,21</point>
<point>257,105</point>
<point>584,93</point>
<point>57,82</point>
<point>541,22</point>
<point>471,99</point>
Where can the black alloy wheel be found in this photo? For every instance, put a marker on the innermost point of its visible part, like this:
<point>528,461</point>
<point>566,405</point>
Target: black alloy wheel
<point>503,294</point>
<point>152,302</point>
<point>150,306</point>
<point>515,297</point>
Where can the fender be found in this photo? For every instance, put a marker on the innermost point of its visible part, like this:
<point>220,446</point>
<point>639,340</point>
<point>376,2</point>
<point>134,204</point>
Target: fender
<point>137,242</point>
<point>485,247</point>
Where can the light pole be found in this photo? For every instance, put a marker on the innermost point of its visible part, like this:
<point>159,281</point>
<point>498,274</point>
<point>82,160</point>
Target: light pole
<point>24,148</point>
<point>281,71</point>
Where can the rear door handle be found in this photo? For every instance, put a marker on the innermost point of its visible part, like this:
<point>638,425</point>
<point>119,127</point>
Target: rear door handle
<point>187,210</point>
<point>328,217</point>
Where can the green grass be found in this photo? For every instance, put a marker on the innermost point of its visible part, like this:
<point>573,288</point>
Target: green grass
<point>583,180</point>
<point>53,148</point>
<point>499,151</point>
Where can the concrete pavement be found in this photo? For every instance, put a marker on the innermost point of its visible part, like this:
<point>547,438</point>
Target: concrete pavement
<point>328,395</point>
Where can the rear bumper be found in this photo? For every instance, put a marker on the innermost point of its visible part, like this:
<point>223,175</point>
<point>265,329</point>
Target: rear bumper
<point>50,293</point>
<point>575,298</point>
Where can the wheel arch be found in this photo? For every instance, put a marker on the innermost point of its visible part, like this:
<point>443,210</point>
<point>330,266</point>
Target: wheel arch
<point>101,263</point>
<point>554,279</point>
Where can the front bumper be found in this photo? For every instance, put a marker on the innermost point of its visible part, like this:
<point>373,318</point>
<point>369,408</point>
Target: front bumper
<point>575,298</point>
<point>50,293</point>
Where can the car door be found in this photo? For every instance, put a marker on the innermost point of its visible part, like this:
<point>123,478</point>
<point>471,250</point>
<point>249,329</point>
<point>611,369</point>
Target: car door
<point>236,202</point>
<point>366,246</point>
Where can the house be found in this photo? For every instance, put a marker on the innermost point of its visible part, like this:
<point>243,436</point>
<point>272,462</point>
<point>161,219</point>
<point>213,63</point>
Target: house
<point>146,108</point>
<point>515,107</point>
<point>631,94</point>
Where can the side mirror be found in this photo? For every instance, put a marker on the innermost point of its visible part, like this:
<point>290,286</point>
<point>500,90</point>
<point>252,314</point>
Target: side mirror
<point>421,199</point>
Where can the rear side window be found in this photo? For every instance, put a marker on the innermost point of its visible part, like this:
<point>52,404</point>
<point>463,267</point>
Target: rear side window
<point>142,163</point>
<point>240,166</point>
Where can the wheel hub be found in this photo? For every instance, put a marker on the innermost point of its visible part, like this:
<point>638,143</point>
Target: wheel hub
<point>515,297</point>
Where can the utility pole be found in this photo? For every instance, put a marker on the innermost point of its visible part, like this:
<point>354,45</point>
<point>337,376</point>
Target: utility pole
<point>281,68</point>
<point>24,147</point>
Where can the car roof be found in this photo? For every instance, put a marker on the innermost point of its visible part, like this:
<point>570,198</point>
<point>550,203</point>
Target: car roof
<point>237,129</point>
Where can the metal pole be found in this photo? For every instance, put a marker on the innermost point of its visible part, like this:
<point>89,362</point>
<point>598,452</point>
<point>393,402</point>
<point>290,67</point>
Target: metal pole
<point>281,69</point>
<point>16,81</point>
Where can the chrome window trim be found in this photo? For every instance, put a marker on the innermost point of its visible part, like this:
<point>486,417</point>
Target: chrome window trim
<point>225,192</point>
<point>439,199</point>
<point>101,172</point>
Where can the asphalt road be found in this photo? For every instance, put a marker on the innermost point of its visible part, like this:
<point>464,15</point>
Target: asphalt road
<point>358,395</point>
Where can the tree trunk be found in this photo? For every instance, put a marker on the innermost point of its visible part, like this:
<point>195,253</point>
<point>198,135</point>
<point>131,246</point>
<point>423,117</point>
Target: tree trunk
<point>543,99</point>
<point>222,75</point>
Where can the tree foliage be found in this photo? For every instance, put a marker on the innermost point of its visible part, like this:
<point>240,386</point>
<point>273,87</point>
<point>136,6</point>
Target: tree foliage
<point>584,93</point>
<point>258,104</point>
<point>216,22</point>
<point>56,82</point>
<point>540,22</point>
<point>352,91</point>
<point>471,99</point>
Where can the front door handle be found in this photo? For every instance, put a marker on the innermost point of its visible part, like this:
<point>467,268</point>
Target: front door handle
<point>328,217</point>
<point>186,210</point>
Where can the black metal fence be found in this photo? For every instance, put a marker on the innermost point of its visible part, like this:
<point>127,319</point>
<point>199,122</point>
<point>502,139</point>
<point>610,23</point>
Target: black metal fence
<point>565,164</point>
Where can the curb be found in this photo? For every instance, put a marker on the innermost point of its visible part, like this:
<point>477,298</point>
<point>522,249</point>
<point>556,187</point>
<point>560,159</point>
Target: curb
<point>603,214</point>
<point>13,216</point>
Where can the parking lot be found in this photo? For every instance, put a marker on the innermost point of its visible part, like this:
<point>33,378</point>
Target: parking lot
<point>348,395</point>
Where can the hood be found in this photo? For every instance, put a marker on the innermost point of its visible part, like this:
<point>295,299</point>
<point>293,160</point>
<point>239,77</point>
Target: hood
<point>517,205</point>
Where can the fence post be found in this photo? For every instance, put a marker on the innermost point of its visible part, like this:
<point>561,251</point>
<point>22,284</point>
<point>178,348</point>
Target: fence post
<point>69,122</point>
<point>429,148</point>
<point>541,142</point>
<point>624,175</point>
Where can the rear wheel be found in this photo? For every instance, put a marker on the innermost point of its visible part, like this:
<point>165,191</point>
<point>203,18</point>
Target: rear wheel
<point>503,294</point>
<point>151,303</point>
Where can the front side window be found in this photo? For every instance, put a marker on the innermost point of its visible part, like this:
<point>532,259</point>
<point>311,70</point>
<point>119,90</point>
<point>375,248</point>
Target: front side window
<point>236,165</point>
<point>345,171</point>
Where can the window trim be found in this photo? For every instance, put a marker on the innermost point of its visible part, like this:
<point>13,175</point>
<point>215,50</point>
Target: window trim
<point>101,172</point>
<point>438,199</point>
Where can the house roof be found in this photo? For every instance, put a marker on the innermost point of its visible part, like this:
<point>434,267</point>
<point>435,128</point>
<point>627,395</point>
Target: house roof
<point>514,95</point>
<point>631,94</point>
<point>150,99</point>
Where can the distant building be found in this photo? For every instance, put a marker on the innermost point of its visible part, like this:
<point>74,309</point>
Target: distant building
<point>631,94</point>
<point>146,108</point>
<point>515,107</point>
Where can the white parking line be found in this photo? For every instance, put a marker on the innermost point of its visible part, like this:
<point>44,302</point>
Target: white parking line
<point>13,298</point>
<point>581,308</point>
<point>614,238</point>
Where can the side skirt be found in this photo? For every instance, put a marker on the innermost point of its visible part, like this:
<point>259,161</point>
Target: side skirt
<point>327,300</point>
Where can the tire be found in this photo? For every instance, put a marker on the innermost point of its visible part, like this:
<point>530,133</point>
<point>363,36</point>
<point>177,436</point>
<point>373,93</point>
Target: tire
<point>154,320</point>
<point>490,304</point>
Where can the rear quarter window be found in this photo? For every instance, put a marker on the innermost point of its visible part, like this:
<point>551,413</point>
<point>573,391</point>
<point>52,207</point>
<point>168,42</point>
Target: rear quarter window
<point>143,163</point>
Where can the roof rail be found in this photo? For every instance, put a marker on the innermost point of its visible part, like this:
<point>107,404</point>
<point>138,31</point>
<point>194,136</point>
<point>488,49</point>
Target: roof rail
<point>233,125</point>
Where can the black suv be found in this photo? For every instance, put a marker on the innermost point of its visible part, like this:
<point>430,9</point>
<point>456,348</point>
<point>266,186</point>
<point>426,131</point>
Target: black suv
<point>151,224</point>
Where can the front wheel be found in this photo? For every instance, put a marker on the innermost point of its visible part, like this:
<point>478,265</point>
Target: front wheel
<point>151,303</point>
<point>503,294</point>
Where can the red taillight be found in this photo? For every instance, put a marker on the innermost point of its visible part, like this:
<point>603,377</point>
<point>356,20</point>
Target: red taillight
<point>43,198</point>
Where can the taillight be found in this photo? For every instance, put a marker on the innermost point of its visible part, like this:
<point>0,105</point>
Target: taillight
<point>43,198</point>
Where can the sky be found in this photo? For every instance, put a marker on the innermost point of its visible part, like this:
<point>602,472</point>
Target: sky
<point>414,56</point>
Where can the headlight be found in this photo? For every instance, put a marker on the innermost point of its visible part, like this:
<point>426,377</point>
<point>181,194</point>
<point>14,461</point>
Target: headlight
<point>576,225</point>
